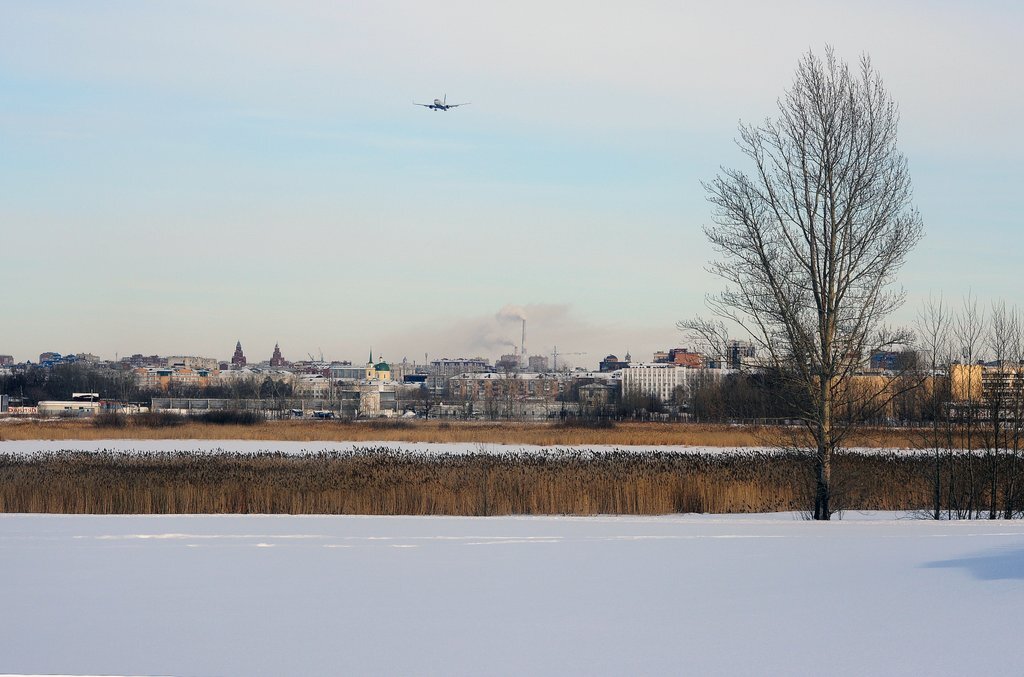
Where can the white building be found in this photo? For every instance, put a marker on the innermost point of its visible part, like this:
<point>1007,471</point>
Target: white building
<point>312,385</point>
<point>68,408</point>
<point>193,362</point>
<point>258,373</point>
<point>347,372</point>
<point>661,380</point>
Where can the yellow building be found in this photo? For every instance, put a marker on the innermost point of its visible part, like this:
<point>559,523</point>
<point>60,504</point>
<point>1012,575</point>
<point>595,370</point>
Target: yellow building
<point>965,382</point>
<point>972,382</point>
<point>381,371</point>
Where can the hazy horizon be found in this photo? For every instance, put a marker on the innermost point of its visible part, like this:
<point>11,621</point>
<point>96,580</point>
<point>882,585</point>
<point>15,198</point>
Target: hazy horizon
<point>178,177</point>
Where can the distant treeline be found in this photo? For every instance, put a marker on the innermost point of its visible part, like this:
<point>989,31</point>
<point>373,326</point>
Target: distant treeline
<point>380,481</point>
<point>37,384</point>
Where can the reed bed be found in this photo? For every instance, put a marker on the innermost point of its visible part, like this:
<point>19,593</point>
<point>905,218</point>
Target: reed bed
<point>541,434</point>
<point>382,481</point>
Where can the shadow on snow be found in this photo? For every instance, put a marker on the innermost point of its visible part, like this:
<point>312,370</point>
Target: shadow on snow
<point>1002,564</point>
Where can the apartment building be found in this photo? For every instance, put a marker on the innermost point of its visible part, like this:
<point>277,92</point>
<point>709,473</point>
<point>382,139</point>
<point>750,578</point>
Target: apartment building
<point>491,385</point>
<point>444,369</point>
<point>662,379</point>
<point>1002,381</point>
<point>162,378</point>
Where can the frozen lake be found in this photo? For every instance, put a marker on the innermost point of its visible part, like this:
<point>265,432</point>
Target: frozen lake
<point>291,447</point>
<point>701,595</point>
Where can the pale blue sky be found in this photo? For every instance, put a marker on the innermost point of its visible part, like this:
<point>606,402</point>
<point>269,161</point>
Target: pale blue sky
<point>176,176</point>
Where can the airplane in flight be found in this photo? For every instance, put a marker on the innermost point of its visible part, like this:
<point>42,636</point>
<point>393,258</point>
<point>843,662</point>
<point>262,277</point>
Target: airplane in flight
<point>440,104</point>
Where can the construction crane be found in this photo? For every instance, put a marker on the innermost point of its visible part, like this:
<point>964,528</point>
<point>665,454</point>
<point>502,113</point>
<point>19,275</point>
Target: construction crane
<point>554,357</point>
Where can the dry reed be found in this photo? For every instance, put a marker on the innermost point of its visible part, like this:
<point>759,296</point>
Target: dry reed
<point>382,481</point>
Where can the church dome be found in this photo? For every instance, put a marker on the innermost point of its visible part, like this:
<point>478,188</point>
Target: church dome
<point>382,366</point>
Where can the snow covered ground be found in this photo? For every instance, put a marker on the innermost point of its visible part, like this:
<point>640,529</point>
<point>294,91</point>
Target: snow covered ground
<point>697,595</point>
<point>255,446</point>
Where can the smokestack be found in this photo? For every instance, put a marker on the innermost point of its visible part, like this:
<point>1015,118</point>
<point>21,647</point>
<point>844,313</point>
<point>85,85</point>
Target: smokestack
<point>522,347</point>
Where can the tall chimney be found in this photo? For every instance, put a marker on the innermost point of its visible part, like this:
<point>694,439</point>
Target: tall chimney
<point>522,347</point>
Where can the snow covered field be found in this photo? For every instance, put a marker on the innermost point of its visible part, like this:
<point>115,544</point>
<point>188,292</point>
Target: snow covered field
<point>255,446</point>
<point>698,595</point>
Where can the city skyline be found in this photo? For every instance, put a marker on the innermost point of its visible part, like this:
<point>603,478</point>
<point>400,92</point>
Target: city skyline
<point>255,357</point>
<point>179,177</point>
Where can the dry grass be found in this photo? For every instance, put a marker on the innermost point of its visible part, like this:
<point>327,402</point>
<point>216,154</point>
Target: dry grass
<point>543,434</point>
<point>384,482</point>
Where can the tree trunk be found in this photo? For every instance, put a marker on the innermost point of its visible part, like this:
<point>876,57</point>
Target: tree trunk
<point>993,480</point>
<point>823,492</point>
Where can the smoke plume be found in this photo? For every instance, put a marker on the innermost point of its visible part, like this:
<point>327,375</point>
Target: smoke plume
<point>511,313</point>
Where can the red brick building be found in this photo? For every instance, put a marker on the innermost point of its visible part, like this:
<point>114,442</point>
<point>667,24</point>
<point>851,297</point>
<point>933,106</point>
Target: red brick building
<point>276,360</point>
<point>238,359</point>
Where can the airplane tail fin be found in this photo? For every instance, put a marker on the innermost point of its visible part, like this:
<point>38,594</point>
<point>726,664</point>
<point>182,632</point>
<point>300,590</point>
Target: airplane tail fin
<point>445,98</point>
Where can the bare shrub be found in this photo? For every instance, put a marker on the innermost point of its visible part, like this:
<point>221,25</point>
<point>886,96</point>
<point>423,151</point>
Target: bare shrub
<point>158,419</point>
<point>110,420</point>
<point>231,417</point>
<point>387,424</point>
<point>586,423</point>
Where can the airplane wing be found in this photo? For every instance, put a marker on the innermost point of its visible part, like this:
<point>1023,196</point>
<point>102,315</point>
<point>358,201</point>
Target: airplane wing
<point>456,105</point>
<point>425,105</point>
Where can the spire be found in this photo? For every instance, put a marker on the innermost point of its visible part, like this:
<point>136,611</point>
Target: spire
<point>371,355</point>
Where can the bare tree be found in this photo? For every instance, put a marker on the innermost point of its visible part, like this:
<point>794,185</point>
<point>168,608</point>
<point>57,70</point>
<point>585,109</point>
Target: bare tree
<point>810,243</point>
<point>976,411</point>
<point>969,334</point>
<point>1002,340</point>
<point>933,326</point>
<point>710,337</point>
<point>1014,373</point>
<point>425,399</point>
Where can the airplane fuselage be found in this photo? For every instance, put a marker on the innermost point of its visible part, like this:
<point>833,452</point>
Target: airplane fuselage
<point>440,104</point>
